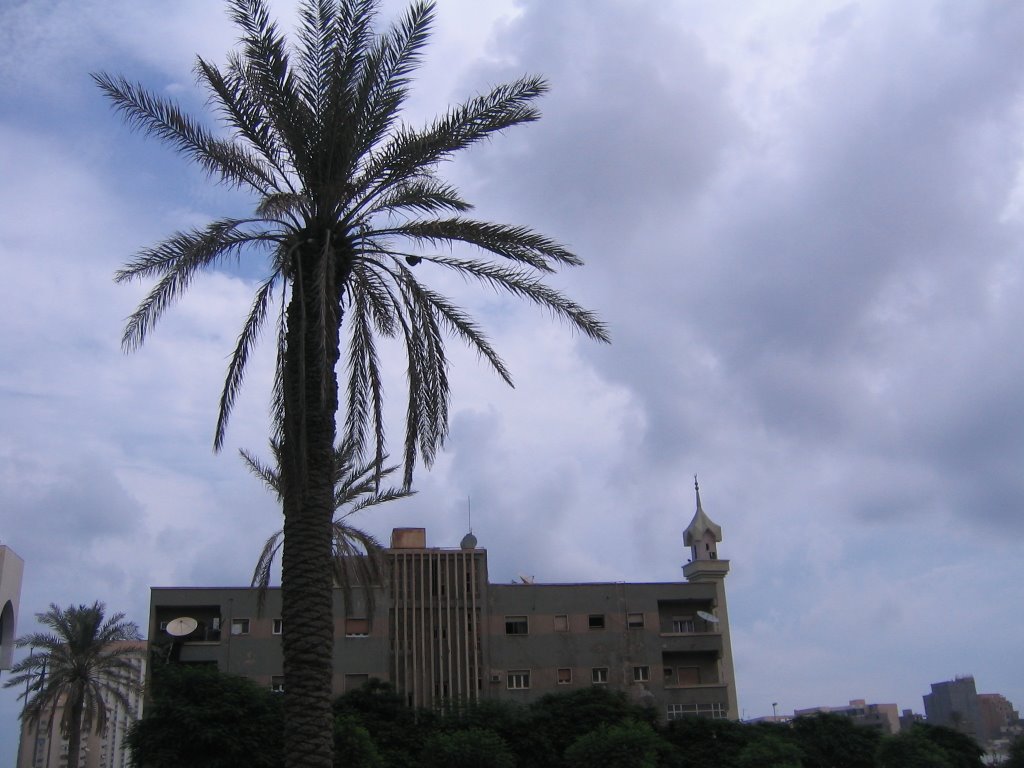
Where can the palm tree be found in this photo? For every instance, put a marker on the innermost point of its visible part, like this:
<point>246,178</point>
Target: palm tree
<point>347,204</point>
<point>81,661</point>
<point>356,553</point>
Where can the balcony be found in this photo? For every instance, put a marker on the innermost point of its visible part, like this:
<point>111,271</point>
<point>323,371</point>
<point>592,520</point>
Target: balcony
<point>692,642</point>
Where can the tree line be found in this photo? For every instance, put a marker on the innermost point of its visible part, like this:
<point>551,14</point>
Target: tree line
<point>199,716</point>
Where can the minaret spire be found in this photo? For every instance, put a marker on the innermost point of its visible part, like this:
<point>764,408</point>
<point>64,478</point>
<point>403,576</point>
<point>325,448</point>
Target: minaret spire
<point>702,534</point>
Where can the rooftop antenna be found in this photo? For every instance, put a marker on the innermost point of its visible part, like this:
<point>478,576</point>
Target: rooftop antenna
<point>469,512</point>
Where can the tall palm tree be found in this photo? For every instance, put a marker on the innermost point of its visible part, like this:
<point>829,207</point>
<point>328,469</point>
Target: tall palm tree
<point>347,204</point>
<point>356,553</point>
<point>80,662</point>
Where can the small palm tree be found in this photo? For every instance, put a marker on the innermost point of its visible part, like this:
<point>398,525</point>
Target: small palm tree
<point>83,660</point>
<point>357,554</point>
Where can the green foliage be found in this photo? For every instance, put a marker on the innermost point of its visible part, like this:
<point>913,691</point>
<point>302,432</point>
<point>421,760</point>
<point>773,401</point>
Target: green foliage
<point>469,748</point>
<point>353,746</point>
<point>960,749</point>
<point>708,743</point>
<point>770,747</point>
<point>397,730</point>
<point>563,718</point>
<point>911,750</point>
<point>629,744</point>
<point>198,716</point>
<point>833,741</point>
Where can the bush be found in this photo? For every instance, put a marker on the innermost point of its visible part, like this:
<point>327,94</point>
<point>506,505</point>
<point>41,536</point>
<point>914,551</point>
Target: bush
<point>471,748</point>
<point>198,716</point>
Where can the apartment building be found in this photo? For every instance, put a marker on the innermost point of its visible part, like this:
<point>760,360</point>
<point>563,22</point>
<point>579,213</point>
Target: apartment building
<point>441,632</point>
<point>884,718</point>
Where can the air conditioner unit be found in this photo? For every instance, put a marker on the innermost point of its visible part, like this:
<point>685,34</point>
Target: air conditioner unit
<point>495,677</point>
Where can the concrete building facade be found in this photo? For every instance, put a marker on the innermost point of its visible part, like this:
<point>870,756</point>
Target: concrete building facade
<point>12,567</point>
<point>997,716</point>
<point>441,632</point>
<point>954,703</point>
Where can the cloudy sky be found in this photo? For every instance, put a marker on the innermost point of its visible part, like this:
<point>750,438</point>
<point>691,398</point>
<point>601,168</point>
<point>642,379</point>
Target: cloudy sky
<point>803,222</point>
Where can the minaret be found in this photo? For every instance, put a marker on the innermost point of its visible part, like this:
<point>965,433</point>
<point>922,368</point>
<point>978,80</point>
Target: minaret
<point>702,536</point>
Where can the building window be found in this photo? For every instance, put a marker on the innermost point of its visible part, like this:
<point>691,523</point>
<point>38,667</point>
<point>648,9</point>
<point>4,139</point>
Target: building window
<point>357,627</point>
<point>516,625</point>
<point>564,676</point>
<point>681,624</point>
<point>596,621</point>
<point>634,621</point>
<point>518,680</point>
<point>561,622</point>
<point>715,710</point>
<point>278,625</point>
<point>239,626</point>
<point>599,675</point>
<point>277,684</point>
<point>642,674</point>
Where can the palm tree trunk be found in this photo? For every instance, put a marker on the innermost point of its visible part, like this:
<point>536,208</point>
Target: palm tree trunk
<point>74,733</point>
<point>310,407</point>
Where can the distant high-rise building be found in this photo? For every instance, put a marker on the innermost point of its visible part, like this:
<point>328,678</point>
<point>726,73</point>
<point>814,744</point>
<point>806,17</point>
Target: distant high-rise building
<point>997,714</point>
<point>11,569</point>
<point>954,703</point>
<point>440,632</point>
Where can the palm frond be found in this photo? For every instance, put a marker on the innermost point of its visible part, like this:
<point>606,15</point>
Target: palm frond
<point>316,20</point>
<point>267,474</point>
<point>244,113</point>
<point>410,153</point>
<point>518,244</point>
<point>423,195</point>
<point>264,567</point>
<point>356,487</point>
<point>386,75</point>
<point>364,404</point>
<point>240,357</point>
<point>345,50</point>
<point>266,72</point>
<point>178,259</point>
<point>525,285</point>
<point>462,325</point>
<point>225,160</point>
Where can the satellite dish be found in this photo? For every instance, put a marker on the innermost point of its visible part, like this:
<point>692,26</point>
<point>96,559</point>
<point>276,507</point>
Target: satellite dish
<point>524,579</point>
<point>709,617</point>
<point>183,625</point>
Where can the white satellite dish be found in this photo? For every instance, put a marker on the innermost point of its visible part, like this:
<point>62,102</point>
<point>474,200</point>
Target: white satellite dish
<point>183,625</point>
<point>709,617</point>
